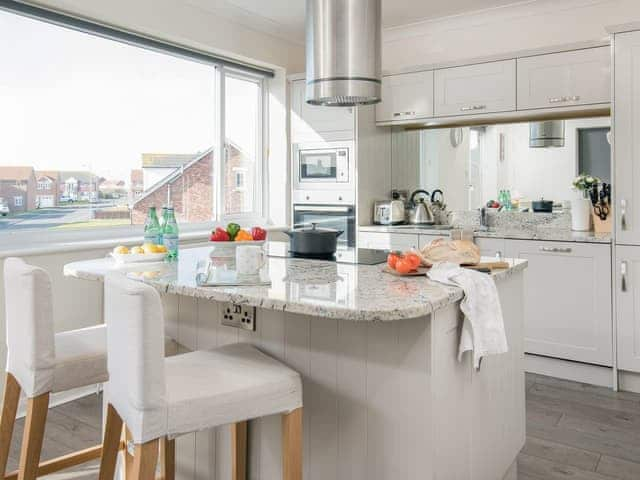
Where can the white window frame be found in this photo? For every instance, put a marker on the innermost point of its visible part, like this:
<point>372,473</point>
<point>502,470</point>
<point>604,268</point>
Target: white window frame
<point>18,201</point>
<point>260,185</point>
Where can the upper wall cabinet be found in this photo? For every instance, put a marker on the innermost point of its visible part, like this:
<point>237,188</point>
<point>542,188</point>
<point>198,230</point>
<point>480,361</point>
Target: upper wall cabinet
<point>406,96</point>
<point>579,77</point>
<point>476,89</point>
<point>310,123</point>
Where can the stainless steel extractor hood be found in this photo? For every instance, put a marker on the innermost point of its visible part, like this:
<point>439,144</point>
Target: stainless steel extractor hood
<point>549,133</point>
<point>343,52</point>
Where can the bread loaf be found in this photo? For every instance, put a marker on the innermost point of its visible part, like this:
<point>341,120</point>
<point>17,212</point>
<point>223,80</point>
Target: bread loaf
<point>461,252</point>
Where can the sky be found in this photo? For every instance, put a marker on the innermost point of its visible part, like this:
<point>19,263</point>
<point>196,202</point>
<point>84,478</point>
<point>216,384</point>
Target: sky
<point>73,101</point>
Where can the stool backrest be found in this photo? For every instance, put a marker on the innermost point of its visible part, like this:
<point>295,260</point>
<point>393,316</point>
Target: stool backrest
<point>135,351</point>
<point>29,320</point>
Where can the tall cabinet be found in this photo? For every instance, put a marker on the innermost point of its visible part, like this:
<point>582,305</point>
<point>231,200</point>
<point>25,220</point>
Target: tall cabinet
<point>626,123</point>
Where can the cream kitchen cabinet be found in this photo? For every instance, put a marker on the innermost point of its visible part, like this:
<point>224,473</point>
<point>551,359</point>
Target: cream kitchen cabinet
<point>475,89</point>
<point>567,300</point>
<point>406,96</point>
<point>311,123</point>
<point>579,77</point>
<point>626,118</point>
<point>627,291</point>
<point>427,239</point>
<point>491,247</point>
<point>388,241</point>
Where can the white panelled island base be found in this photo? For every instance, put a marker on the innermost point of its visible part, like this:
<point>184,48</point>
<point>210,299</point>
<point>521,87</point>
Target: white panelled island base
<point>384,394</point>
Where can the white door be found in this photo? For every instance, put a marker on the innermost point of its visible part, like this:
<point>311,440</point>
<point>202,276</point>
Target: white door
<point>45,201</point>
<point>579,77</point>
<point>626,150</point>
<point>567,299</point>
<point>627,291</point>
<point>406,96</point>
<point>475,89</point>
<point>311,123</point>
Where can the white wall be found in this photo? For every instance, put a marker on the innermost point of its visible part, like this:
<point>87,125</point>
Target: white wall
<point>526,25</point>
<point>196,24</point>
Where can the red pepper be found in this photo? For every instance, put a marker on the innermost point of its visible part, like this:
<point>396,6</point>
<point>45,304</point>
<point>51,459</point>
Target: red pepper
<point>220,235</point>
<point>258,233</point>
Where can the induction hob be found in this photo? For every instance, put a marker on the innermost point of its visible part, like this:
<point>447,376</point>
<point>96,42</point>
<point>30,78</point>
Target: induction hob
<point>355,256</point>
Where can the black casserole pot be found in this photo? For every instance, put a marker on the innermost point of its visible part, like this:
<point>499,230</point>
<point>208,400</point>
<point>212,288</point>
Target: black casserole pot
<point>313,241</point>
<point>542,205</point>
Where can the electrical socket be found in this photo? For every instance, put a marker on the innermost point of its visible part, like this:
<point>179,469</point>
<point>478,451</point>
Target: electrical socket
<point>239,316</point>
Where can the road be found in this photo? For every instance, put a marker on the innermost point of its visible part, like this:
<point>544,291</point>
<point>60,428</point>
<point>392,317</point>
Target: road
<point>49,217</point>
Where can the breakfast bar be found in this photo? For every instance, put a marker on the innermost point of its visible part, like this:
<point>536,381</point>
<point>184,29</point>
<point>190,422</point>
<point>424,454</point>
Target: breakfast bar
<point>384,394</point>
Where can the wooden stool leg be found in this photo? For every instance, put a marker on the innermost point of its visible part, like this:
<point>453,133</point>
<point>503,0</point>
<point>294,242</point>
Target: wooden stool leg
<point>168,459</point>
<point>292,445</point>
<point>8,419</point>
<point>127,458</point>
<point>239,451</point>
<point>145,460</point>
<point>37,409</point>
<point>110,444</point>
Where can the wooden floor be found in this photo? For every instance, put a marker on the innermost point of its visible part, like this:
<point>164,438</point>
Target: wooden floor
<point>574,431</point>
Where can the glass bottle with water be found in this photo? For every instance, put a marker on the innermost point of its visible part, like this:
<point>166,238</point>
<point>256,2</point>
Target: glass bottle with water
<point>152,231</point>
<point>170,234</point>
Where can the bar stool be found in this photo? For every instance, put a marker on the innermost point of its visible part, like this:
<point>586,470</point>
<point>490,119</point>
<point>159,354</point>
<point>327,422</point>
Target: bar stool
<point>161,398</point>
<point>39,363</point>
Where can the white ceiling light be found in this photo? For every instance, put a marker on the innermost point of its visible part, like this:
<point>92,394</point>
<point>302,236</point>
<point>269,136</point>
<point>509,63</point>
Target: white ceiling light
<point>344,67</point>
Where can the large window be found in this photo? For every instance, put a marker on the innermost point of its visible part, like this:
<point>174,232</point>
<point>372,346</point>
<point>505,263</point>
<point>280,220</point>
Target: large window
<point>109,129</point>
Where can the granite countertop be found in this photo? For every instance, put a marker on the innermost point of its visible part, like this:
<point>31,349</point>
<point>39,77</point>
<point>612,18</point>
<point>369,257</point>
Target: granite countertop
<point>309,287</point>
<point>540,233</point>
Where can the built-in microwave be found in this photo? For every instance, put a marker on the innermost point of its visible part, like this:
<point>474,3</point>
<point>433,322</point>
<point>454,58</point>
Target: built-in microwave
<point>323,166</point>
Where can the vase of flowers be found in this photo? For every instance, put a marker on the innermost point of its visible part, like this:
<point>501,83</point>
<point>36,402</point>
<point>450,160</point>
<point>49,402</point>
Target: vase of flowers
<point>581,205</point>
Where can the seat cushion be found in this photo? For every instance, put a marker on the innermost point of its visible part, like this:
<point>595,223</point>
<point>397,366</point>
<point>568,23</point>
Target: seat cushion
<point>229,384</point>
<point>81,358</point>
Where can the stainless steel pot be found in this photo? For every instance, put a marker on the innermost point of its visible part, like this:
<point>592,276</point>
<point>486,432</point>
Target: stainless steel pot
<point>313,241</point>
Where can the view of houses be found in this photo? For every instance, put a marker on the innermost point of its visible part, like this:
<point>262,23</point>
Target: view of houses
<point>183,180</point>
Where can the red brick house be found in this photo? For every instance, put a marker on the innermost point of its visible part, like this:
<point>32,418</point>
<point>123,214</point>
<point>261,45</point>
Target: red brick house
<point>47,188</point>
<point>136,187</point>
<point>189,189</point>
<point>18,188</point>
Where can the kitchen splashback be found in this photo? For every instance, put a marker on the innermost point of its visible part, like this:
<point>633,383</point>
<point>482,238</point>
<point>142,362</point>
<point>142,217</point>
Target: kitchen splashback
<point>472,165</point>
<point>511,221</point>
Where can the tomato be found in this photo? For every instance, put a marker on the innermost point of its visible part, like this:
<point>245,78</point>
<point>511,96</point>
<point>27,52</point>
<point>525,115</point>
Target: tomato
<point>404,266</point>
<point>392,259</point>
<point>414,259</point>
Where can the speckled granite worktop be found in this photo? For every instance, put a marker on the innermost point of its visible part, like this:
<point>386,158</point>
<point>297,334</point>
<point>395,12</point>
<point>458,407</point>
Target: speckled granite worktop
<point>309,287</point>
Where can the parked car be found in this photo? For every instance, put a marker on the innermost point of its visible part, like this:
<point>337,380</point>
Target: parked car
<point>4,210</point>
<point>65,199</point>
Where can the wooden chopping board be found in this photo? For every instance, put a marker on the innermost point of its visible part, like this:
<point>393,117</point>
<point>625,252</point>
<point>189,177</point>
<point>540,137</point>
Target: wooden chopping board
<point>422,271</point>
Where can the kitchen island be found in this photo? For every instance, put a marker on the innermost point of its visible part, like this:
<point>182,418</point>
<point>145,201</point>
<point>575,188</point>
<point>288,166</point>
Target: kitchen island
<point>384,394</point>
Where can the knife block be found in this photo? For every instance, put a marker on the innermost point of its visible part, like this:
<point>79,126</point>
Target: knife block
<point>602,226</point>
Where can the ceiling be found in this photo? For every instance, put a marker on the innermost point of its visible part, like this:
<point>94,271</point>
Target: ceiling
<point>285,18</point>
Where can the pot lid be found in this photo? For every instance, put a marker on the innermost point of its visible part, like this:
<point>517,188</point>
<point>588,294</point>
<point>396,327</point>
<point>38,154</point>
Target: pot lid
<point>314,229</point>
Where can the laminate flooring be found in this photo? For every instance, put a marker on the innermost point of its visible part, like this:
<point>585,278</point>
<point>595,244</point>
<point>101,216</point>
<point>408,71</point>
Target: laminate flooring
<point>574,431</point>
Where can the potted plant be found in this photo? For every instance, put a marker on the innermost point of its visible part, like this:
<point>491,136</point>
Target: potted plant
<point>581,205</point>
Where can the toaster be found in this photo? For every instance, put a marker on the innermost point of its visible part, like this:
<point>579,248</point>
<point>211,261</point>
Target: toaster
<point>388,212</point>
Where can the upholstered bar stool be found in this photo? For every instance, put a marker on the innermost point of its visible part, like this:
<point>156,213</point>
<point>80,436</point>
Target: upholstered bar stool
<point>39,363</point>
<point>160,398</point>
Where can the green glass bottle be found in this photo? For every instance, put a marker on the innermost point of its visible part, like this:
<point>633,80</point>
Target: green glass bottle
<point>170,234</point>
<point>163,222</point>
<point>152,231</point>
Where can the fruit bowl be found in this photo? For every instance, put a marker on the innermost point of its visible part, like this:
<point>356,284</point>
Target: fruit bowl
<point>138,257</point>
<point>228,249</point>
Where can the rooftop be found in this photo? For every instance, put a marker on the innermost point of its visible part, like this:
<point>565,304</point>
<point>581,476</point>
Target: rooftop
<point>16,173</point>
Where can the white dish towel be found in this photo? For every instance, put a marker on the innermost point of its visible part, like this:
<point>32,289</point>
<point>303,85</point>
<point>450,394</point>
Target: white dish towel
<point>483,327</point>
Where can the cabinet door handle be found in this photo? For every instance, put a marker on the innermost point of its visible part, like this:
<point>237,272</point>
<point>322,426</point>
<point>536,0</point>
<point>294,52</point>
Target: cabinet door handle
<point>623,276</point>
<point>400,114</point>
<point>623,214</point>
<point>472,107</point>
<point>558,99</point>
<point>556,249</point>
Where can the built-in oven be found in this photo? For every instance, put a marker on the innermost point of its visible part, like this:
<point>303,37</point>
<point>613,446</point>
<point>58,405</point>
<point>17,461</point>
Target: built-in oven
<point>338,217</point>
<point>323,166</point>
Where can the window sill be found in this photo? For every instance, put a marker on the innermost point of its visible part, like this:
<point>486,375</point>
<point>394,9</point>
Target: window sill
<point>55,242</point>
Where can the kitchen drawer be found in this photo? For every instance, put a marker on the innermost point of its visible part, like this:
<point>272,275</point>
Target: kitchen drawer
<point>406,96</point>
<point>388,241</point>
<point>567,299</point>
<point>565,79</point>
<point>491,247</point>
<point>475,89</point>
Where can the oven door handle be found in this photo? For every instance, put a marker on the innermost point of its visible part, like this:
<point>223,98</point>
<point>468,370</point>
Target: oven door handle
<point>322,209</point>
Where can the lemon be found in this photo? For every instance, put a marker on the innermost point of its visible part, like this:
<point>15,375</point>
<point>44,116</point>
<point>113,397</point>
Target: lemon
<point>161,249</point>
<point>137,250</point>
<point>149,248</point>
<point>121,249</point>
